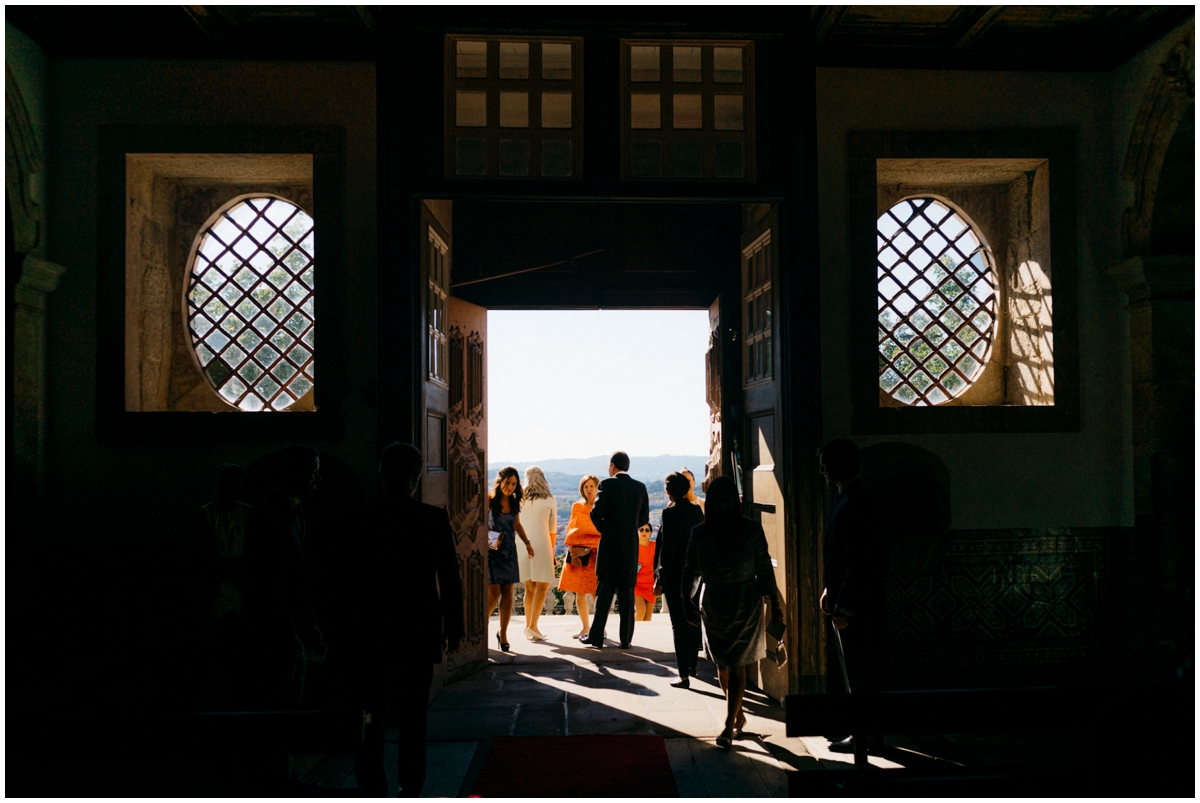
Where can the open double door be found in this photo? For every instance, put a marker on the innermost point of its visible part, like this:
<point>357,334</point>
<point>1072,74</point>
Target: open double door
<point>747,432</point>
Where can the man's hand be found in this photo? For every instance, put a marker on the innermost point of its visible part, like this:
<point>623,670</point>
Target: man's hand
<point>825,603</point>
<point>657,589</point>
<point>841,621</point>
<point>692,614</point>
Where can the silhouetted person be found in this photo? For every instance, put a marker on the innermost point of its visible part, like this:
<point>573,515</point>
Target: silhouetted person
<point>219,531</point>
<point>219,558</point>
<point>729,553</point>
<point>278,599</point>
<point>622,506</point>
<point>853,598</point>
<point>670,555</point>
<point>398,599</point>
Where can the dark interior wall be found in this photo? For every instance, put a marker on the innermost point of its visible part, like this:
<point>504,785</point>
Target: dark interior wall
<point>637,255</point>
<point>159,483</point>
<point>1001,480</point>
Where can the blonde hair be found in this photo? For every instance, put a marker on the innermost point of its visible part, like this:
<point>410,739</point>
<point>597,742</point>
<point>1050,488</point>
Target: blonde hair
<point>536,486</point>
<point>583,482</point>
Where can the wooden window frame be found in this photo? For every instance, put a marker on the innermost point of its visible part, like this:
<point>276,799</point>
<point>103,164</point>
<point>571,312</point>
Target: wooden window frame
<point>493,84</point>
<point>755,292</point>
<point>436,332</point>
<point>707,88</point>
<point>1057,148</point>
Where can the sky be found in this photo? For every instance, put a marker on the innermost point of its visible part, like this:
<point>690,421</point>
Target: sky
<point>584,383</point>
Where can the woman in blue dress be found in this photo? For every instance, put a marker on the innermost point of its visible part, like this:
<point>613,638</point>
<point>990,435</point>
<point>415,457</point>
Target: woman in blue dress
<point>504,503</point>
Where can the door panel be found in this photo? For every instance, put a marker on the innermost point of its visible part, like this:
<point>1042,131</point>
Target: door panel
<point>760,398</point>
<point>455,436</point>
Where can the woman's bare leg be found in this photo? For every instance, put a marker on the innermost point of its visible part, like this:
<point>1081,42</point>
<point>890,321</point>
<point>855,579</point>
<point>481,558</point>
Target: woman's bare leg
<point>492,598</point>
<point>644,610</point>
<point>534,603</point>
<point>581,606</point>
<point>735,691</point>
<point>506,607</point>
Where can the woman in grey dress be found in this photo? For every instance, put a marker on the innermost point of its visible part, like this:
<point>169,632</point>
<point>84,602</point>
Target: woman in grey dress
<point>729,553</point>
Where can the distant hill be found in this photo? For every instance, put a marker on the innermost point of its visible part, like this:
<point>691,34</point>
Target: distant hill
<point>646,469</point>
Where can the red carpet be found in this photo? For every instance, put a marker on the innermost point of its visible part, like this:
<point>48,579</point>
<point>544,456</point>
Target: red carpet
<point>576,766</point>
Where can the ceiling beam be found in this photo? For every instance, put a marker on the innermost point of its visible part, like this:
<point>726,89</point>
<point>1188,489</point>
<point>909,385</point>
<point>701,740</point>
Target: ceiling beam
<point>977,20</point>
<point>364,16</point>
<point>205,21</point>
<point>827,19</point>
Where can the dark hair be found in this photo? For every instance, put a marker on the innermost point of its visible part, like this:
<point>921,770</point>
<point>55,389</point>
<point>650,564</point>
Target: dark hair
<point>840,458</point>
<point>677,486</point>
<point>620,460</point>
<point>495,496</point>
<point>400,464</point>
<point>721,491</point>
<point>230,478</point>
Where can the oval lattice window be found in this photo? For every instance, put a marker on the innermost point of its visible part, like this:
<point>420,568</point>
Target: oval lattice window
<point>937,302</point>
<point>250,303</point>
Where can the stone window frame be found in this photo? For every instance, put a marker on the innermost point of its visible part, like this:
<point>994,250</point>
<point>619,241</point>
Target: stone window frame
<point>325,146</point>
<point>981,408</point>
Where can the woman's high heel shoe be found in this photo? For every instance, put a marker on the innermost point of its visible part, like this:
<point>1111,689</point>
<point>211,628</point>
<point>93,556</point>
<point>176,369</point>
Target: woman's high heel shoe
<point>503,644</point>
<point>725,740</point>
<point>741,724</point>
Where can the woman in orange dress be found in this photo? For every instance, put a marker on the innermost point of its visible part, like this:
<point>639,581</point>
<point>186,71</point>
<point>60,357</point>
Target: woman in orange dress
<point>644,595</point>
<point>579,564</point>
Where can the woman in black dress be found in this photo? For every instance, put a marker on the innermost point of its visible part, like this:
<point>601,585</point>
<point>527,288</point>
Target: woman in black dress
<point>504,502</point>
<point>729,553</point>
<point>670,553</point>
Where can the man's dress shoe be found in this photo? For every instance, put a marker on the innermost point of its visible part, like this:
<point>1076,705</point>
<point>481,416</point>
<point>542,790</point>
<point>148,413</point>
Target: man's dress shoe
<point>587,640</point>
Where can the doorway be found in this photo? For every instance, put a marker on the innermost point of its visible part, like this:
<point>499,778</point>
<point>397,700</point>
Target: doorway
<point>480,255</point>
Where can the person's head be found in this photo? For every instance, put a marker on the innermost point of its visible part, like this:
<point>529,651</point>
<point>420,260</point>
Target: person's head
<point>722,502</point>
<point>297,469</point>
<point>588,486</point>
<point>508,483</point>
<point>400,467</point>
<point>536,486</point>
<point>677,486</point>
<point>839,461</point>
<point>618,462</point>
<point>691,478</point>
<point>645,531</point>
<point>230,479</point>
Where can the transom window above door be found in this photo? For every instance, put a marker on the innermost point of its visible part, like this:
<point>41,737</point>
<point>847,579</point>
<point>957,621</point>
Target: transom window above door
<point>687,109</point>
<point>514,107</point>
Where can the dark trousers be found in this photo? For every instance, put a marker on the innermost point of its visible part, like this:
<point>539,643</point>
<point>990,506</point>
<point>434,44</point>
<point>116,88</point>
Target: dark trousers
<point>406,704</point>
<point>604,597</point>
<point>864,645</point>
<point>687,636</point>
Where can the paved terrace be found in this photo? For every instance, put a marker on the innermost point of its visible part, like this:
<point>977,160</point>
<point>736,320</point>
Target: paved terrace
<point>559,687</point>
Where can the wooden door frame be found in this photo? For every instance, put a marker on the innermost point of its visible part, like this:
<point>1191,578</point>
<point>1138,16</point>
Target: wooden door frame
<point>401,320</point>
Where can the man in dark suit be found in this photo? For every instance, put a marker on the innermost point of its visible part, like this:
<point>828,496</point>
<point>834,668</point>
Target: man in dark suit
<point>622,506</point>
<point>396,602</point>
<point>853,598</point>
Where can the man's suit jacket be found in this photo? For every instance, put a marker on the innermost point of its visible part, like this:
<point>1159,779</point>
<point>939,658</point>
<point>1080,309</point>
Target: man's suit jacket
<point>622,505</point>
<point>853,563</point>
<point>394,581</point>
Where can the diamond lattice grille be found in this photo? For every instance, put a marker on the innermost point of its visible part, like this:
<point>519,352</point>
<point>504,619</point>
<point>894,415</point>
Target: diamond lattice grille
<point>937,303</point>
<point>250,304</point>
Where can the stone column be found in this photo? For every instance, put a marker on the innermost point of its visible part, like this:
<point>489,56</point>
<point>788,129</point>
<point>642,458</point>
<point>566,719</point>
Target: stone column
<point>38,278</point>
<point>1161,293</point>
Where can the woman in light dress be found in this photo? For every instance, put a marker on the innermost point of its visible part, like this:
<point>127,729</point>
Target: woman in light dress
<point>729,553</point>
<point>579,564</point>
<point>539,517</point>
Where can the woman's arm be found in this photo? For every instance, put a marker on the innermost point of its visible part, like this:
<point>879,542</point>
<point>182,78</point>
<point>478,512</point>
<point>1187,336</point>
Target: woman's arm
<point>521,532</point>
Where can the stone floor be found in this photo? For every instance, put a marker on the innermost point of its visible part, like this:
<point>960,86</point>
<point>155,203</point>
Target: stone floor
<point>560,687</point>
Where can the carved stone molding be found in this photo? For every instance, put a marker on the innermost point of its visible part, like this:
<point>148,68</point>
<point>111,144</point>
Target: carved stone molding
<point>38,277</point>
<point>22,161</point>
<point>1169,94</point>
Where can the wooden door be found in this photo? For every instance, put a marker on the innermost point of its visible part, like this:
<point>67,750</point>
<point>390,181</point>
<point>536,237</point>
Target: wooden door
<point>455,430</point>
<point>761,458</point>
